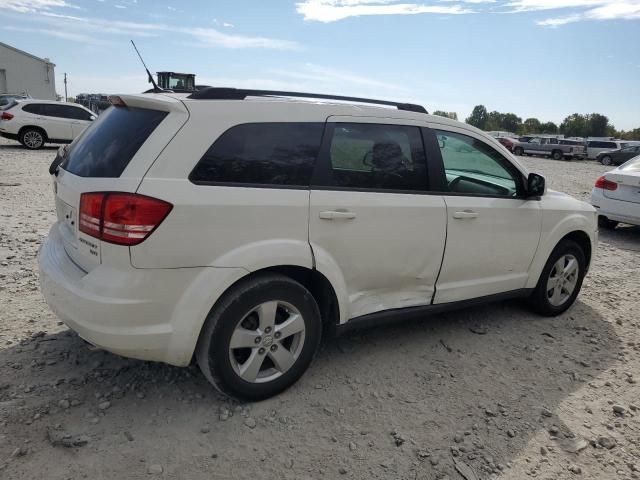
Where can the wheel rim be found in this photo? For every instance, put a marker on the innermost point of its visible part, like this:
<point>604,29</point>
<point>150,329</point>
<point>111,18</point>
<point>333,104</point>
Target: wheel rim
<point>606,161</point>
<point>557,156</point>
<point>563,279</point>
<point>267,342</point>
<point>32,139</point>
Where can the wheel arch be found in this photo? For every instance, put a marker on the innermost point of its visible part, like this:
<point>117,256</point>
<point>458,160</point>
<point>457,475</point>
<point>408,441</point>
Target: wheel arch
<point>574,230</point>
<point>582,239</point>
<point>320,287</point>
<point>33,127</point>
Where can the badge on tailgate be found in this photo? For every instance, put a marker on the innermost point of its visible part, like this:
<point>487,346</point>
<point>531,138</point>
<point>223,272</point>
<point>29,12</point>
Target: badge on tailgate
<point>88,246</point>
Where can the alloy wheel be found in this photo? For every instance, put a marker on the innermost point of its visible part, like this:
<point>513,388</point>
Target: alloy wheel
<point>33,139</point>
<point>267,341</point>
<point>563,279</point>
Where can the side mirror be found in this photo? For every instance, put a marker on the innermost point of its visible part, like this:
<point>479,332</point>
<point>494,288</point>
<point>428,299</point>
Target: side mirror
<point>92,118</point>
<point>536,185</point>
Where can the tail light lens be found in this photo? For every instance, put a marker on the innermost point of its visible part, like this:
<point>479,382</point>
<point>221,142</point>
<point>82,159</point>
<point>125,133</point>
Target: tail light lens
<point>605,184</point>
<point>121,218</point>
<point>6,116</point>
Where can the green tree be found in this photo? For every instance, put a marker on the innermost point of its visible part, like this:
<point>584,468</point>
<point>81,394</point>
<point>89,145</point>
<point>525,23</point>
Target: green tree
<point>548,127</point>
<point>574,125</point>
<point>532,125</point>
<point>510,122</point>
<point>478,117</point>
<point>631,134</point>
<point>451,115</point>
<point>597,125</point>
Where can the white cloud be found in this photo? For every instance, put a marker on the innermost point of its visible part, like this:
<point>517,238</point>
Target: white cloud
<point>334,10</point>
<point>592,10</point>
<point>573,10</point>
<point>75,37</point>
<point>200,36</point>
<point>30,6</point>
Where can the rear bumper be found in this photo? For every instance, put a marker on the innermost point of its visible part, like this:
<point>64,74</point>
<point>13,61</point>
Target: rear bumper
<point>148,314</point>
<point>10,136</point>
<point>617,210</point>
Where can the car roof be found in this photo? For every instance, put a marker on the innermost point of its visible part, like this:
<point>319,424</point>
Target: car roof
<point>340,107</point>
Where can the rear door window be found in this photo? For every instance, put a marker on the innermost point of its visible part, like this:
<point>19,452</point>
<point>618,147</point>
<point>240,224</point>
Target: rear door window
<point>367,156</point>
<point>107,146</point>
<point>261,154</point>
<point>32,108</point>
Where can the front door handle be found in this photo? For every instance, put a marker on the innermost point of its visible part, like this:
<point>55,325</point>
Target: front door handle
<point>465,215</point>
<point>337,215</point>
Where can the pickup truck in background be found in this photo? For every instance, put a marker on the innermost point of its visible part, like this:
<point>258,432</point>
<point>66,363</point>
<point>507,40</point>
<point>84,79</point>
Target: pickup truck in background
<point>553,147</point>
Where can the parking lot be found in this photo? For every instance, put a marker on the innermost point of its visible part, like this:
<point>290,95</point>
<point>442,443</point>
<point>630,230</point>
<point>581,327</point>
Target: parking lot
<point>489,392</point>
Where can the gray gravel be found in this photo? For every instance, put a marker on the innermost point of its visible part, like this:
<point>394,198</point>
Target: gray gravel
<point>530,397</point>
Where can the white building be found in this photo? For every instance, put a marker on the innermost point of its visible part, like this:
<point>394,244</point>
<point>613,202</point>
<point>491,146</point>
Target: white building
<point>21,72</point>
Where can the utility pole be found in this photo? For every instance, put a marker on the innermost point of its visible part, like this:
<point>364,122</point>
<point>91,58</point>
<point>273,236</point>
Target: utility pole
<point>65,87</point>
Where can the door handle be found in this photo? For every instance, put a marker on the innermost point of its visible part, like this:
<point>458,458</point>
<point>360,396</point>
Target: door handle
<point>465,215</point>
<point>337,215</point>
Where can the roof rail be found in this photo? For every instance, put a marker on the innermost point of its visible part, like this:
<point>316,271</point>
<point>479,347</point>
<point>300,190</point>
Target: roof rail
<point>220,93</point>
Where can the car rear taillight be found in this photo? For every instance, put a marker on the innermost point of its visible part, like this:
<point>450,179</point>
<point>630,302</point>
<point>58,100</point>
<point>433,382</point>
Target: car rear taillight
<point>121,218</point>
<point>6,116</point>
<point>605,184</point>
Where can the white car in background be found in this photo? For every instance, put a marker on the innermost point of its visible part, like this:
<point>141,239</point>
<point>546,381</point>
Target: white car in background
<point>235,227</point>
<point>36,122</point>
<point>616,195</point>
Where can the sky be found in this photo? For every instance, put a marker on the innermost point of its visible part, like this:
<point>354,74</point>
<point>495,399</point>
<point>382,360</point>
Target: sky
<point>537,58</point>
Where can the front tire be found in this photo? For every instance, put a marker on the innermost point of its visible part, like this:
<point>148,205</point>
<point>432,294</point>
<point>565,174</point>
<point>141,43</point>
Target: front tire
<point>32,138</point>
<point>557,155</point>
<point>561,280</point>
<point>518,151</point>
<point>260,337</point>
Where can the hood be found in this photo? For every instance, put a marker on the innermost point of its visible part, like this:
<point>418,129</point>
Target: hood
<point>569,202</point>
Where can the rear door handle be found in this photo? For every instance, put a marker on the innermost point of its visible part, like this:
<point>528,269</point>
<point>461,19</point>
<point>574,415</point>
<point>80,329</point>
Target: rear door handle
<point>465,215</point>
<point>337,215</point>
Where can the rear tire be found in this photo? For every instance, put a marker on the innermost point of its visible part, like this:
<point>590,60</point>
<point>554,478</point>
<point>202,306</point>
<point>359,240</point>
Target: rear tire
<point>247,349</point>
<point>32,138</point>
<point>560,281</point>
<point>518,151</point>
<point>606,160</point>
<point>557,155</point>
<point>604,222</point>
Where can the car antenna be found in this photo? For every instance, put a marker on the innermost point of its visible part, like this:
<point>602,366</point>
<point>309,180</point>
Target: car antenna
<point>151,80</point>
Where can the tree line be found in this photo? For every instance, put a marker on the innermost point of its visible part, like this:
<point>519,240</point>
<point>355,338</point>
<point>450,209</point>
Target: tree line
<point>575,125</point>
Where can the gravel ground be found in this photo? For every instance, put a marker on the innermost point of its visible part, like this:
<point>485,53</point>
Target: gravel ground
<point>490,392</point>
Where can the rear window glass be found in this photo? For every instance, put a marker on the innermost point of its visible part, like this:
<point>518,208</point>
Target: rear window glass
<point>107,146</point>
<point>262,154</point>
<point>632,165</point>
<point>32,108</point>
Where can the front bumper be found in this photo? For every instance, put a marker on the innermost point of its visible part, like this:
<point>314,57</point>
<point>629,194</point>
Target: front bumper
<point>148,314</point>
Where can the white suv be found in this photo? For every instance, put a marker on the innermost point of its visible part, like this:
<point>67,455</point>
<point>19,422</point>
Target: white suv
<point>36,122</point>
<point>232,226</point>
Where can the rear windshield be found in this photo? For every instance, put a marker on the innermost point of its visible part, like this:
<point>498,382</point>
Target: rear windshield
<point>110,142</point>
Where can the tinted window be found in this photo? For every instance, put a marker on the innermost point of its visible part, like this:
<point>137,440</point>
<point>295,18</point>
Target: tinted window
<point>107,146</point>
<point>263,154</point>
<point>76,113</point>
<point>473,167</point>
<point>32,108</point>
<point>50,110</point>
<point>378,157</point>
